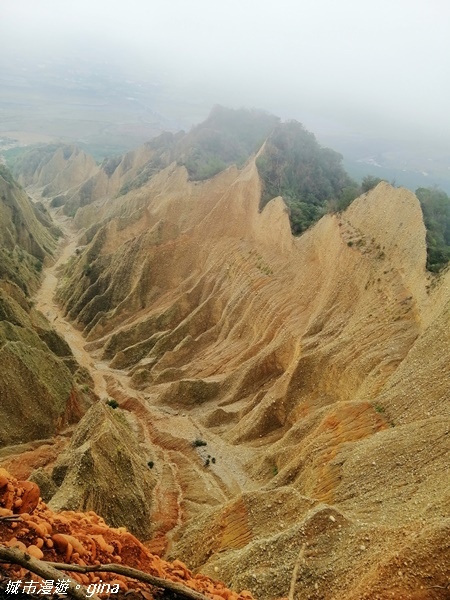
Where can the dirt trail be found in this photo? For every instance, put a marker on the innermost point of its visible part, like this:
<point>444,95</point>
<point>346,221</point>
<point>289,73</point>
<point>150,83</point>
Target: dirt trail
<point>45,302</point>
<point>105,379</point>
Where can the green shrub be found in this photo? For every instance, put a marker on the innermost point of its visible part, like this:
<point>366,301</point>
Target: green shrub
<point>198,442</point>
<point>309,178</point>
<point>435,206</point>
<point>369,182</point>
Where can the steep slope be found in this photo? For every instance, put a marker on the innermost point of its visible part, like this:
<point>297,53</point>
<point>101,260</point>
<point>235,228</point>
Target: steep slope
<point>32,355</point>
<point>297,354</point>
<point>103,450</point>
<point>26,236</point>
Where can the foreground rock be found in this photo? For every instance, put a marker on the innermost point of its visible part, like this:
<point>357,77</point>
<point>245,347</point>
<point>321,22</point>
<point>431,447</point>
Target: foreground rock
<point>85,539</point>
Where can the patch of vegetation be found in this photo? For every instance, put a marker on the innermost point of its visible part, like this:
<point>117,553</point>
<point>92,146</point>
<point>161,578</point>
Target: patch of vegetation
<point>35,157</point>
<point>145,174</point>
<point>227,137</point>
<point>310,178</point>
<point>435,205</point>
<point>101,152</point>
<point>198,442</point>
<point>112,403</point>
<point>87,269</point>
<point>109,165</point>
<point>7,175</point>
<point>369,182</point>
<point>263,266</point>
<point>12,154</point>
<point>150,464</point>
<point>379,409</point>
<point>58,201</point>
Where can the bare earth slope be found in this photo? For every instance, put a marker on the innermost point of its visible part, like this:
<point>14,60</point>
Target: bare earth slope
<point>316,369</point>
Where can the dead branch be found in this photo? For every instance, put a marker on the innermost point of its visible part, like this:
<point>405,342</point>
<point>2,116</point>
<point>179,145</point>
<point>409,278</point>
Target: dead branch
<point>44,570</point>
<point>49,570</point>
<point>166,584</point>
<point>295,572</point>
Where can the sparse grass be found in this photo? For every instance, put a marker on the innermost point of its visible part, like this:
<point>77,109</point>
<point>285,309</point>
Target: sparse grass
<point>263,266</point>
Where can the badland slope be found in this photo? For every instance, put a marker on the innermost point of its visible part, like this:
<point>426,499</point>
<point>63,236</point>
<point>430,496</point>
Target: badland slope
<point>288,394</point>
<point>314,369</point>
<point>39,394</point>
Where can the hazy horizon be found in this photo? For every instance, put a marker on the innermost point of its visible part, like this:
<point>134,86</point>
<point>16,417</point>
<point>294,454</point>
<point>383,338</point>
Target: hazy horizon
<point>352,66</point>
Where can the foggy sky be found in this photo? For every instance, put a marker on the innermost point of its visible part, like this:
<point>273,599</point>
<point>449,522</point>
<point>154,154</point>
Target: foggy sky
<point>362,64</point>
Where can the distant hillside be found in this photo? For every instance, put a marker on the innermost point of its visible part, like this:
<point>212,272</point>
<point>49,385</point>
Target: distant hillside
<point>26,235</point>
<point>227,137</point>
<point>291,163</point>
